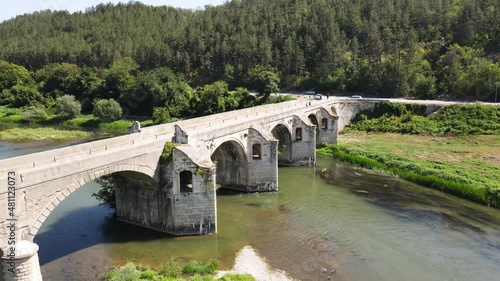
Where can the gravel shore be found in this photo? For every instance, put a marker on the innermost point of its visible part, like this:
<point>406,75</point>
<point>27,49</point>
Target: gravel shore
<point>248,262</point>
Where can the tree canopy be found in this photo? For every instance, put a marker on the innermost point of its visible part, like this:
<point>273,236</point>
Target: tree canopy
<point>423,48</point>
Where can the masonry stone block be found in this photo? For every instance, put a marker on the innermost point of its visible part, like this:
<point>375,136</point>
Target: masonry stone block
<point>20,263</point>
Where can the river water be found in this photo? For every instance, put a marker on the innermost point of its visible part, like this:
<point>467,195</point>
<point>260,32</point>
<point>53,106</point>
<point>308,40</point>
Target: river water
<point>349,225</point>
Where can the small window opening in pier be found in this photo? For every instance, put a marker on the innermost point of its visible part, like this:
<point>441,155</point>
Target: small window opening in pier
<point>186,181</point>
<point>298,134</point>
<point>324,123</point>
<point>256,151</point>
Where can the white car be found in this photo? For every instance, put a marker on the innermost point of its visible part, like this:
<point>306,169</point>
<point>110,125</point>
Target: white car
<point>318,96</point>
<point>355,97</point>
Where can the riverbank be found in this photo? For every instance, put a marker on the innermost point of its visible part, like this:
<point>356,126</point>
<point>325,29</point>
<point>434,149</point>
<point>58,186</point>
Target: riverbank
<point>468,166</point>
<point>41,134</point>
<point>249,262</point>
<point>249,266</point>
<point>18,124</point>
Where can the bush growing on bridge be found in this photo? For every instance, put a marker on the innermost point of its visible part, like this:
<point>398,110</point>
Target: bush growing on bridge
<point>166,155</point>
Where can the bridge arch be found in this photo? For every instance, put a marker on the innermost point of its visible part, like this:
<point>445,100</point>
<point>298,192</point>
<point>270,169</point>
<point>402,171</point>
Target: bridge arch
<point>34,227</point>
<point>231,165</point>
<point>334,111</point>
<point>282,133</point>
<point>314,120</point>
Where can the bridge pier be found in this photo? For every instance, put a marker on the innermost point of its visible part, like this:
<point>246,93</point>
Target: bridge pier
<point>20,263</point>
<point>183,203</point>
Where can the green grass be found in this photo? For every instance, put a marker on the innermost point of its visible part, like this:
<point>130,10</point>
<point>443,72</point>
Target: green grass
<point>173,270</point>
<point>457,120</point>
<point>464,166</point>
<point>37,134</point>
<point>86,122</point>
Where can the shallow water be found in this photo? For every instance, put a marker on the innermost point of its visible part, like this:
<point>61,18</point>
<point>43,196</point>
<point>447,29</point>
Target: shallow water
<point>363,226</point>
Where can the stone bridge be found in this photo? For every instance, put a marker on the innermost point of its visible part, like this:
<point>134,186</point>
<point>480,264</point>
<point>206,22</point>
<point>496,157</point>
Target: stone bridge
<point>239,150</point>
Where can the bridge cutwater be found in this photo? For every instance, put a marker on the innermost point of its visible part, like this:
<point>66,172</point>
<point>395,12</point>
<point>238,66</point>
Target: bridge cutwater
<point>239,149</point>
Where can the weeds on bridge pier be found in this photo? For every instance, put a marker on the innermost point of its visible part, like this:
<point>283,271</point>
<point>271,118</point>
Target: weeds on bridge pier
<point>166,155</point>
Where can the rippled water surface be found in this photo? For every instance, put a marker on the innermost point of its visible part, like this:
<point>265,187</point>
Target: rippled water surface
<point>349,224</point>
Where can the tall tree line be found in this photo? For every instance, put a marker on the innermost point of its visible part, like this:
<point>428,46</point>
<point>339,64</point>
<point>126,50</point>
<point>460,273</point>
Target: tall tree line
<point>422,48</point>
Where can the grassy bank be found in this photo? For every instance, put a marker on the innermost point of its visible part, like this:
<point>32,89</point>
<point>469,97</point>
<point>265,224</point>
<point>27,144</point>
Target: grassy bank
<point>457,120</point>
<point>72,128</point>
<point>468,166</point>
<point>172,271</point>
<point>39,134</point>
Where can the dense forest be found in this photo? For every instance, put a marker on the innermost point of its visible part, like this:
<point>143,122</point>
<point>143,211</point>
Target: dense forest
<point>448,49</point>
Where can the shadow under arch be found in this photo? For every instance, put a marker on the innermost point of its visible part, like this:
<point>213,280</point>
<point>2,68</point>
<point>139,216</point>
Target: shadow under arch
<point>78,228</point>
<point>284,136</point>
<point>334,111</point>
<point>314,120</point>
<point>231,165</point>
<point>141,171</point>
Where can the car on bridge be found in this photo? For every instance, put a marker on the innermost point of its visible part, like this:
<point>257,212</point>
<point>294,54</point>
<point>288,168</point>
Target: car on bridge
<point>355,97</point>
<point>317,96</point>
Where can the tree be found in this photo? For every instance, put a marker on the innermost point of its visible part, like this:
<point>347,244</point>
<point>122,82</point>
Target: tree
<point>21,95</point>
<point>58,79</point>
<point>68,107</point>
<point>159,88</point>
<point>12,75</point>
<point>264,82</point>
<point>120,79</point>
<point>160,115</point>
<point>107,110</point>
<point>212,98</point>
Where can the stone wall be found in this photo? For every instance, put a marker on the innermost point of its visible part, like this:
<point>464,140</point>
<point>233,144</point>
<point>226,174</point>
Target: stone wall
<point>193,211</point>
<point>263,172</point>
<point>24,267</point>
<point>304,148</point>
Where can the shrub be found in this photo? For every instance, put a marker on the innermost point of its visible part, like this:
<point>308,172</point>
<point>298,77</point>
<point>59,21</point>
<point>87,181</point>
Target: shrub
<point>172,268</point>
<point>166,155</point>
<point>107,194</point>
<point>68,107</point>
<point>107,110</point>
<point>127,272</point>
<point>160,115</point>
<point>35,114</point>
<point>195,267</point>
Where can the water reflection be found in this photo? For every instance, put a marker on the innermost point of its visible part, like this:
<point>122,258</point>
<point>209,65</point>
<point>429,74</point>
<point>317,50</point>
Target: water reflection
<point>347,224</point>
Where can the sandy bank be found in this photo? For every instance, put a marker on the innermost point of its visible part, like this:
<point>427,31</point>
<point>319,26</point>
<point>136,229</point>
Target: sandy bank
<point>248,262</point>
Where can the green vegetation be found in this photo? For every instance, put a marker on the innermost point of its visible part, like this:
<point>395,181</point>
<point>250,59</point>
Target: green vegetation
<point>67,107</point>
<point>108,110</point>
<point>458,120</point>
<point>166,155</point>
<point>26,134</point>
<point>106,194</point>
<point>46,119</point>
<point>457,149</point>
<point>423,48</point>
<point>172,271</point>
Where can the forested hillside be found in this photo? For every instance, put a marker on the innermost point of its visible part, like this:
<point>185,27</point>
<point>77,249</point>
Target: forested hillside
<point>421,48</point>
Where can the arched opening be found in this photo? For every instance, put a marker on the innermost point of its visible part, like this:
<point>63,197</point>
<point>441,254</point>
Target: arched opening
<point>186,181</point>
<point>80,221</point>
<point>256,151</point>
<point>334,111</point>
<point>314,121</point>
<point>324,124</point>
<point>283,135</point>
<point>231,162</point>
<point>298,134</point>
